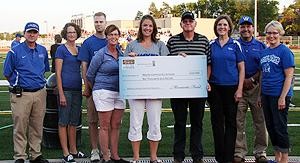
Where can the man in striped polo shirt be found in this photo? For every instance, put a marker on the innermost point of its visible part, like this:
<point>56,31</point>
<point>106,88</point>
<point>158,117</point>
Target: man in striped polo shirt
<point>188,43</point>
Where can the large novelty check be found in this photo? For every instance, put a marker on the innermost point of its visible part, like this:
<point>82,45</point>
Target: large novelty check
<point>163,77</point>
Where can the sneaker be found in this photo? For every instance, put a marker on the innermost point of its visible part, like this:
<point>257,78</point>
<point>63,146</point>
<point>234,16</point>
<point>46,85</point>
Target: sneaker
<point>261,159</point>
<point>134,161</point>
<point>119,161</point>
<point>238,159</point>
<point>292,105</point>
<point>39,159</point>
<point>156,161</point>
<point>95,155</point>
<point>19,161</point>
<point>79,155</point>
<point>68,158</point>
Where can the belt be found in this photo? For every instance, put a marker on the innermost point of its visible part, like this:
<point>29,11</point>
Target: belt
<point>32,90</point>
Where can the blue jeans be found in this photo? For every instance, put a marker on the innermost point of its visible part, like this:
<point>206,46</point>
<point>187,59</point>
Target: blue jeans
<point>70,114</point>
<point>276,122</point>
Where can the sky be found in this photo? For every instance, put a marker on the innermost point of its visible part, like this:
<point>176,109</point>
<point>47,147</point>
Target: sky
<point>14,14</point>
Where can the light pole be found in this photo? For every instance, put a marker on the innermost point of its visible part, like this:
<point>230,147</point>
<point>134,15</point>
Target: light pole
<point>255,18</point>
<point>46,25</point>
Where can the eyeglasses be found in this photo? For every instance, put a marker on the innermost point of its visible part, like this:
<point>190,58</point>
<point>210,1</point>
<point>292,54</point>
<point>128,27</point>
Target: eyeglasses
<point>187,21</point>
<point>272,33</point>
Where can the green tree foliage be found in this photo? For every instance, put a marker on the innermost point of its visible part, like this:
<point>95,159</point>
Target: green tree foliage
<point>165,10</point>
<point>291,19</point>
<point>139,15</point>
<point>154,11</point>
<point>178,10</point>
<point>267,10</point>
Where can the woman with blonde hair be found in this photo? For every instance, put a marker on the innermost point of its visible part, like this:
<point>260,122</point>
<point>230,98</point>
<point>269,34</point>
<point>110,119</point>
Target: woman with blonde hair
<point>277,70</point>
<point>103,77</point>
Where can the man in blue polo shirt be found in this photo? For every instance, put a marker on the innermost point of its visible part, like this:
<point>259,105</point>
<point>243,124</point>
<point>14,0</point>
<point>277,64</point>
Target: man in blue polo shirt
<point>88,49</point>
<point>251,48</point>
<point>16,41</point>
<point>24,69</point>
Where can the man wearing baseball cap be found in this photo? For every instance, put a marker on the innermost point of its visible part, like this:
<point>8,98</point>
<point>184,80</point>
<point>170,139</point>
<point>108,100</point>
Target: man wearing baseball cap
<point>188,42</point>
<point>16,41</point>
<point>24,69</point>
<point>251,48</point>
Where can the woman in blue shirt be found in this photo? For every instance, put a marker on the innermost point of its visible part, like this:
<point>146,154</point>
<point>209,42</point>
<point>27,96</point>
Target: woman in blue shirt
<point>69,90</point>
<point>103,77</point>
<point>226,81</point>
<point>277,70</point>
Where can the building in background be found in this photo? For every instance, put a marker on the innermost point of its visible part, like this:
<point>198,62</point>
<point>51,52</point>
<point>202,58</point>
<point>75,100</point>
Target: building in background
<point>168,24</point>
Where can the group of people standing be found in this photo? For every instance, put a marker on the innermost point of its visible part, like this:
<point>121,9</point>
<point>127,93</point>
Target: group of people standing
<point>240,73</point>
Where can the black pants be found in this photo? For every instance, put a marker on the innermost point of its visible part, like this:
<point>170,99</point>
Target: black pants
<point>223,120</point>
<point>196,109</point>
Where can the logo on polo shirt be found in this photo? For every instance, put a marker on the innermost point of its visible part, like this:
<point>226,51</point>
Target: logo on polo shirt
<point>41,55</point>
<point>23,56</point>
<point>229,48</point>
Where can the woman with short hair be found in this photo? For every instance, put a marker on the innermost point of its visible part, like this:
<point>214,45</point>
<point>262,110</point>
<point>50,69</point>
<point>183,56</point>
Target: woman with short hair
<point>103,77</point>
<point>277,70</point>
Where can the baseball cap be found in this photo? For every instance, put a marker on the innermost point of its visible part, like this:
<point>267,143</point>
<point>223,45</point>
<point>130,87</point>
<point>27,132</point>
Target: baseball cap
<point>19,35</point>
<point>187,14</point>
<point>245,19</point>
<point>31,26</point>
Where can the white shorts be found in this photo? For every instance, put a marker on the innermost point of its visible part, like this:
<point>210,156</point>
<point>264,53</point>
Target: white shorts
<point>106,100</point>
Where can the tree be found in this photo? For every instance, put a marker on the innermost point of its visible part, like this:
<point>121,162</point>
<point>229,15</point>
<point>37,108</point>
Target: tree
<point>166,9</point>
<point>178,9</point>
<point>154,11</point>
<point>291,19</point>
<point>267,10</point>
<point>139,15</point>
<point>202,8</point>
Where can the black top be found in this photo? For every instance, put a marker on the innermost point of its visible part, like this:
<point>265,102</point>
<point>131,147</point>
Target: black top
<point>52,53</point>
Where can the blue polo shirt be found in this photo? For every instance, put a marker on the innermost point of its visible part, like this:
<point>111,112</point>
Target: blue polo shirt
<point>26,66</point>
<point>224,62</point>
<point>70,73</point>
<point>90,47</point>
<point>103,71</point>
<point>14,43</point>
<point>251,51</point>
<point>273,62</point>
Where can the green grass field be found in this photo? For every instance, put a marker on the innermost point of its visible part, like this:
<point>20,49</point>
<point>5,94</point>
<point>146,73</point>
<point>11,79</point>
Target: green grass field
<point>165,148</point>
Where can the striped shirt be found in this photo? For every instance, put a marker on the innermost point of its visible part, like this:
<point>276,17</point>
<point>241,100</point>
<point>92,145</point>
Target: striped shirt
<point>198,46</point>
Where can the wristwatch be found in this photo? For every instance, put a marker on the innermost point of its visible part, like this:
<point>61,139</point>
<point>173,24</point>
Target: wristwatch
<point>253,80</point>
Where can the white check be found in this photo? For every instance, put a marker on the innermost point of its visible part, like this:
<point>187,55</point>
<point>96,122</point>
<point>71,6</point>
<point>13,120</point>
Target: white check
<point>163,77</point>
